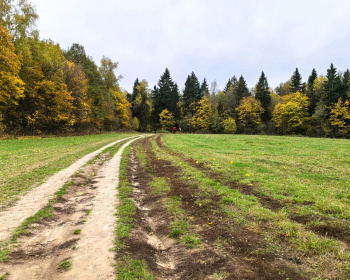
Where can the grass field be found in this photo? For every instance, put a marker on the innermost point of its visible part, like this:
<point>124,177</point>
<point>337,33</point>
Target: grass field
<point>27,162</point>
<point>230,206</point>
<point>288,196</point>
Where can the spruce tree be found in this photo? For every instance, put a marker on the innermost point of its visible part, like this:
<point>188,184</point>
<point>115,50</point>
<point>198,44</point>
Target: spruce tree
<point>263,95</point>
<point>134,89</point>
<point>231,83</point>
<point>295,82</point>
<point>165,96</point>
<point>332,87</point>
<point>346,84</point>
<point>204,87</point>
<point>192,91</point>
<point>242,89</point>
<point>311,93</point>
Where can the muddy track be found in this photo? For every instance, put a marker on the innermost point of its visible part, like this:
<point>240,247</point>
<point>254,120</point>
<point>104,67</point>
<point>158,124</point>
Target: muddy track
<point>228,250</point>
<point>149,238</point>
<point>329,227</point>
<point>80,231</point>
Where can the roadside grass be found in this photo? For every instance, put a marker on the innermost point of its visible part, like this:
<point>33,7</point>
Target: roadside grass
<point>3,277</point>
<point>27,162</point>
<point>130,268</point>
<point>218,153</point>
<point>65,265</point>
<point>127,267</point>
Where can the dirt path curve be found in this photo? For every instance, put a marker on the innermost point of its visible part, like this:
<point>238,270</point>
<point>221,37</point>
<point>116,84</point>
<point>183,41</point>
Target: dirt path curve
<point>37,198</point>
<point>52,241</point>
<point>93,258</point>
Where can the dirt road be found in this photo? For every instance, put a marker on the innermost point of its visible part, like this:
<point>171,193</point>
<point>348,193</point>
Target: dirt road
<point>81,230</point>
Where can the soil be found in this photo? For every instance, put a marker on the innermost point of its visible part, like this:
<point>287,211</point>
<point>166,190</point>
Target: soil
<point>89,205</point>
<point>228,250</point>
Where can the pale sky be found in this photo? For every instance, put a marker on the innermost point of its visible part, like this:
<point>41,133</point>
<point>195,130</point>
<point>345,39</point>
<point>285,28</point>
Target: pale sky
<point>214,38</point>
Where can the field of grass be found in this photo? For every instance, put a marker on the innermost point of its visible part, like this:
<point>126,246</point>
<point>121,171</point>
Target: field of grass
<point>27,162</point>
<point>311,172</point>
<point>294,192</point>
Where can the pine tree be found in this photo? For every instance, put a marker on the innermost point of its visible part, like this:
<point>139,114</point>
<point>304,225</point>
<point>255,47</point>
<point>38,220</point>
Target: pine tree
<point>242,89</point>
<point>332,87</point>
<point>311,92</point>
<point>262,93</point>
<point>134,89</point>
<point>204,87</point>
<point>192,92</point>
<point>231,83</point>
<point>295,82</point>
<point>346,84</point>
<point>165,96</point>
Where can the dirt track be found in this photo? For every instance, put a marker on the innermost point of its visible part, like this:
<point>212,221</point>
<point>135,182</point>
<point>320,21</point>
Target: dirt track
<point>53,240</point>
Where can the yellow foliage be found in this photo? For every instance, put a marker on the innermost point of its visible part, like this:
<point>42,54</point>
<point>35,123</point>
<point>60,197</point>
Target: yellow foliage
<point>340,116</point>
<point>291,114</point>
<point>166,119</point>
<point>11,86</point>
<point>201,119</point>
<point>249,112</point>
<point>122,109</point>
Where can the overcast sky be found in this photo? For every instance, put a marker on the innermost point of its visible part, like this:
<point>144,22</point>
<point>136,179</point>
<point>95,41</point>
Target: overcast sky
<point>214,38</point>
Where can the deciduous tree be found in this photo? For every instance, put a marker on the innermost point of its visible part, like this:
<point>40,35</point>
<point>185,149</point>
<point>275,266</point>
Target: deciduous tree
<point>166,119</point>
<point>201,119</point>
<point>339,117</point>
<point>291,114</point>
<point>249,113</point>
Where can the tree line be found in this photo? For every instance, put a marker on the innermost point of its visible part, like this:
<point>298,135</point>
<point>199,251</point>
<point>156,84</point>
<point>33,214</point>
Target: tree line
<point>44,90</point>
<point>318,107</point>
<point>47,90</point>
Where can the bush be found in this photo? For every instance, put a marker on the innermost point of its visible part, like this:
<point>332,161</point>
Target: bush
<point>229,125</point>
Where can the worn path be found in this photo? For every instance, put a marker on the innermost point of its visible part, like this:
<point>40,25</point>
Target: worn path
<point>37,198</point>
<point>39,254</point>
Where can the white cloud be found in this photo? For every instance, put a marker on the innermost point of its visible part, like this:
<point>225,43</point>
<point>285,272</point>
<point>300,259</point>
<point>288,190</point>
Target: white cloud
<point>215,39</point>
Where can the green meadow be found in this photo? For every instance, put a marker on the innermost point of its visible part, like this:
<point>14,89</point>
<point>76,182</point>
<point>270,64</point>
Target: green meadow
<point>26,162</point>
<point>294,170</point>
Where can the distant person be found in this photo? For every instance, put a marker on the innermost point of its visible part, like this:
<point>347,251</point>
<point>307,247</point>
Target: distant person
<point>174,129</point>
<point>179,129</point>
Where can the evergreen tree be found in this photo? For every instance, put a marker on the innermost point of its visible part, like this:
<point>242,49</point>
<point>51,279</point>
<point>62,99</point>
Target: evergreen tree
<point>311,91</point>
<point>204,87</point>
<point>230,84</point>
<point>295,82</point>
<point>263,95</point>
<point>242,89</point>
<point>191,93</point>
<point>134,89</point>
<point>346,84</point>
<point>332,87</point>
<point>165,96</point>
